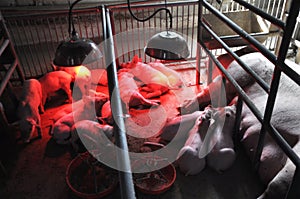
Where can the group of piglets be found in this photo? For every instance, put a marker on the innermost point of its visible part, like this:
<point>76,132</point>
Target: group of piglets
<point>275,169</point>
<point>36,92</point>
<point>94,109</point>
<point>208,136</point>
<point>140,82</point>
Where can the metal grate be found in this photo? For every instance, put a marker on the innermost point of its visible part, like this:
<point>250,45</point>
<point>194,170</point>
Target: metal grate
<point>36,35</point>
<point>280,67</point>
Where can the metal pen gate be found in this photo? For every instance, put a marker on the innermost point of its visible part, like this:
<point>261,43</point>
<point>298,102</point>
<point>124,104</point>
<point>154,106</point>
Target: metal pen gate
<point>280,67</point>
<point>37,34</point>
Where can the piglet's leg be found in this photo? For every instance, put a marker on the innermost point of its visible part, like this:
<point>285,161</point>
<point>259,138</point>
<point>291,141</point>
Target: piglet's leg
<point>68,92</point>
<point>156,93</point>
<point>41,107</point>
<point>188,159</point>
<point>137,99</point>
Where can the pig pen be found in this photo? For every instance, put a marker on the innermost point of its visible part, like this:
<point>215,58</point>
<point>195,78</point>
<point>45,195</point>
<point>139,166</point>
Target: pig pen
<point>38,169</point>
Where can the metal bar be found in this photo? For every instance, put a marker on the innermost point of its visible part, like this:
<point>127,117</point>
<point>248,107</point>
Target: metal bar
<point>188,23</point>
<point>156,5</point>
<point>238,119</point>
<point>292,18</point>
<point>7,76</point>
<point>261,13</point>
<point>209,71</point>
<point>292,74</point>
<point>294,191</point>
<point>19,69</point>
<point>122,42</point>
<point>193,29</point>
<point>50,33</point>
<point>113,32</point>
<point>39,42</point>
<point>126,181</point>
<point>258,79</point>
<point>47,44</point>
<point>199,38</point>
<point>4,45</point>
<point>34,49</point>
<point>240,31</point>
<point>29,51</point>
<point>274,133</point>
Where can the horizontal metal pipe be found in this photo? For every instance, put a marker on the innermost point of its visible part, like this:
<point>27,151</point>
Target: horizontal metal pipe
<point>269,127</point>
<point>156,5</point>
<point>270,56</point>
<point>261,13</point>
<point>241,32</point>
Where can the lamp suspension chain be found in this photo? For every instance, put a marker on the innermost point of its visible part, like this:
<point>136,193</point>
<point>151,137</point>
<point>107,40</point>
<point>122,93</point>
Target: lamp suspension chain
<point>71,20</point>
<point>168,12</point>
<point>167,16</point>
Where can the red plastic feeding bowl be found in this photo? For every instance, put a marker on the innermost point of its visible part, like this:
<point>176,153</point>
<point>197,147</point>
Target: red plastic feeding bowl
<point>89,179</point>
<point>154,182</point>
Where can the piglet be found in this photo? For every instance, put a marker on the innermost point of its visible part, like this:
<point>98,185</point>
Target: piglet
<point>81,77</point>
<point>222,155</point>
<point>28,109</point>
<point>174,77</point>
<point>129,92</point>
<point>91,134</point>
<point>188,157</point>
<point>179,126</point>
<point>99,77</point>
<point>106,114</point>
<point>90,109</point>
<point>156,82</point>
<point>68,108</point>
<point>54,81</point>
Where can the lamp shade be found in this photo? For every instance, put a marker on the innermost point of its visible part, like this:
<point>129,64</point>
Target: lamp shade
<point>75,52</point>
<point>167,45</point>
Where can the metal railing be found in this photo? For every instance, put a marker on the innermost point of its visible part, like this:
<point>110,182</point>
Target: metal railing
<point>36,34</point>
<point>133,35</point>
<point>280,67</point>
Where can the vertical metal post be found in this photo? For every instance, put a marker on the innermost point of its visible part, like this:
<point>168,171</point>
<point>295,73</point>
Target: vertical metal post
<point>294,191</point>
<point>238,118</point>
<point>209,71</point>
<point>125,175</point>
<point>288,31</point>
<point>199,37</point>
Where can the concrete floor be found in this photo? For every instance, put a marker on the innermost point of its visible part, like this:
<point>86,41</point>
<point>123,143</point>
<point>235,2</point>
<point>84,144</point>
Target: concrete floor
<point>37,170</point>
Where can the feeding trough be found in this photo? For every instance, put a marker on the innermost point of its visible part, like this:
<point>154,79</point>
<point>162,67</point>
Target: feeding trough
<point>89,179</point>
<point>251,23</point>
<point>156,181</point>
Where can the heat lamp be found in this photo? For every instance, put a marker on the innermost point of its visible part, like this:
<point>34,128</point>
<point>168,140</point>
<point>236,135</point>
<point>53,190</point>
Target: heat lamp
<point>76,51</point>
<point>166,45</point>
